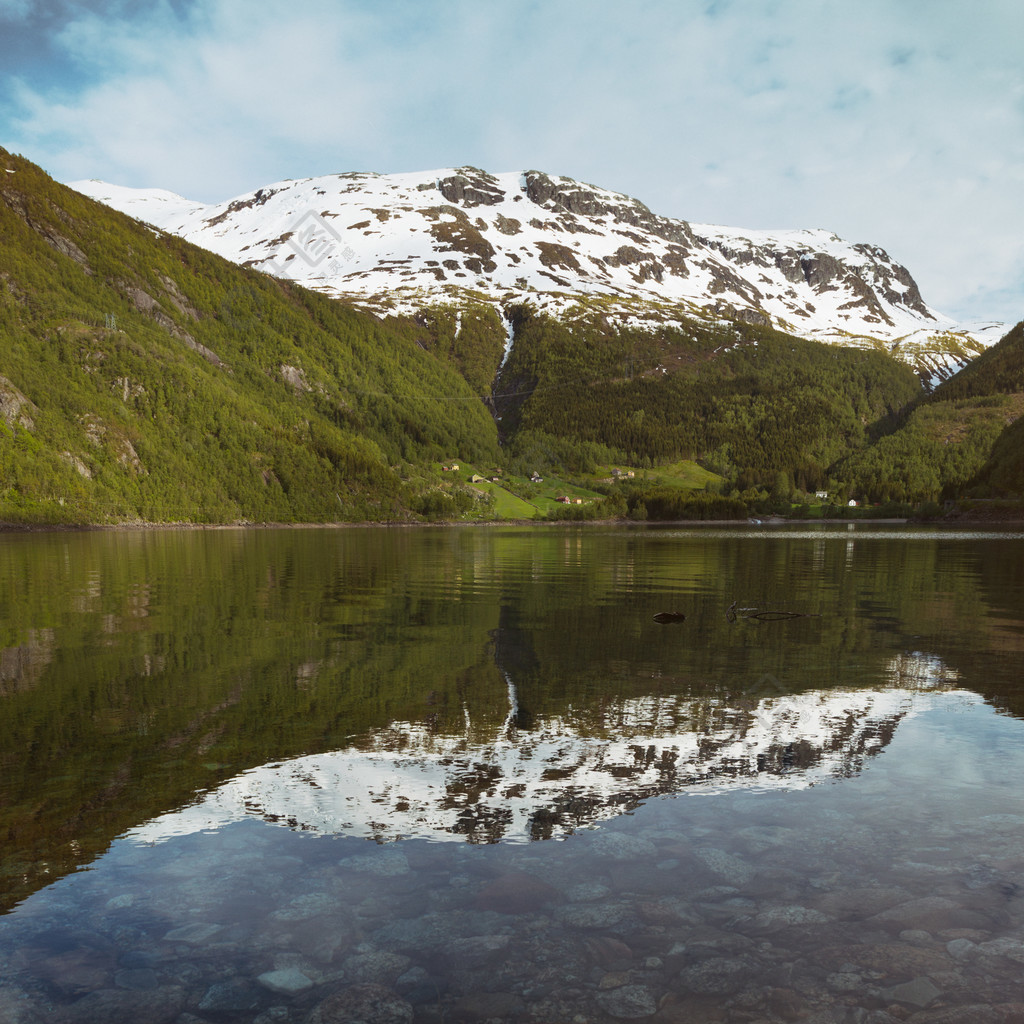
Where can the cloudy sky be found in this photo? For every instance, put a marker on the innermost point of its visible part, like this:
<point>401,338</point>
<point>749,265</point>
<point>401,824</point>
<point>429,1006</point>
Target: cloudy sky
<point>896,122</point>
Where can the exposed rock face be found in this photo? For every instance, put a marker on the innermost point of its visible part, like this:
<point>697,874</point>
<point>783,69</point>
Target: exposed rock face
<point>180,303</point>
<point>208,354</point>
<point>77,464</point>
<point>14,406</point>
<point>99,436</point>
<point>146,303</point>
<point>16,202</point>
<point>295,377</point>
<point>471,187</point>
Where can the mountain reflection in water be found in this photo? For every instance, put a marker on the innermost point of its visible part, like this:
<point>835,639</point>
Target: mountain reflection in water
<point>406,781</point>
<point>816,818</point>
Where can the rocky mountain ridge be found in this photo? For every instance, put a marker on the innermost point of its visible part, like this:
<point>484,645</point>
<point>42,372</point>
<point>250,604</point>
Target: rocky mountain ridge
<point>396,243</point>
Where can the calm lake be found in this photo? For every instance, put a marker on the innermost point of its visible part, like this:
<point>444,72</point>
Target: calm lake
<point>464,774</point>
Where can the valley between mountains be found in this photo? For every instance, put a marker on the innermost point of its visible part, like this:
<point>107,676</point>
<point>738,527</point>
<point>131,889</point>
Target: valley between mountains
<point>462,345</point>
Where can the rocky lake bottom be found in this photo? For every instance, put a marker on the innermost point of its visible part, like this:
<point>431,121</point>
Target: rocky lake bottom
<point>822,906</point>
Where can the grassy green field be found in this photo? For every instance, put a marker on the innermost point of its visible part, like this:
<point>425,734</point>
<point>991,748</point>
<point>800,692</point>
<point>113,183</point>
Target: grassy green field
<point>506,504</point>
<point>682,474</point>
<point>515,497</point>
<point>518,497</point>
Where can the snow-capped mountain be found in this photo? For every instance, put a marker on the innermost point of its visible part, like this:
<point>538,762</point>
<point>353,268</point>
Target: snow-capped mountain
<point>398,242</point>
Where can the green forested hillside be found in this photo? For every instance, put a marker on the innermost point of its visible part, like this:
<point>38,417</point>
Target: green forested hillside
<point>935,453</point>
<point>470,337</point>
<point>750,402</point>
<point>1002,475</point>
<point>998,370</point>
<point>144,378</point>
<point>1001,368</point>
<point>963,430</point>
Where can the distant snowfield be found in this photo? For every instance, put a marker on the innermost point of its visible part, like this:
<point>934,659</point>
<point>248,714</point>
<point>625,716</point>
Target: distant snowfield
<point>398,242</point>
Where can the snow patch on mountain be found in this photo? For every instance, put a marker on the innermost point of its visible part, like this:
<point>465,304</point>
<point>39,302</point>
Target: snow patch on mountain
<point>397,242</point>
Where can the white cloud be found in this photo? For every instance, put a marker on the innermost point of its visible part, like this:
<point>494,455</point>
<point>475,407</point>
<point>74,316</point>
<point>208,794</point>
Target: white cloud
<point>899,124</point>
<point>15,10</point>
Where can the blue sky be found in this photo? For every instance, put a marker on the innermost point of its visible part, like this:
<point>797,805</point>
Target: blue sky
<point>896,122</point>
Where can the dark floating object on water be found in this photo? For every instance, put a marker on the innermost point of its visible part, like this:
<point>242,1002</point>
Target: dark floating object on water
<point>665,617</point>
<point>732,613</point>
<point>779,616</point>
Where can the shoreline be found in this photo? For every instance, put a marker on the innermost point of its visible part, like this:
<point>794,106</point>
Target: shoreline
<point>946,521</point>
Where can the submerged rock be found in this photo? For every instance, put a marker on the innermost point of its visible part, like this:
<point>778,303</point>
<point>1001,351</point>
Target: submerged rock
<point>609,952</point>
<point>931,914</point>
<point>787,917</point>
<point>668,910</point>
<point>418,986</point>
<point>117,1006</point>
<point>306,906</point>
<point>387,864</point>
<point>920,992</point>
<point>365,1004</point>
<point>961,949</point>
<point>717,975</point>
<point>15,1007</point>
<point>1012,949</point>
<point>228,996</point>
<point>481,1006</point>
<point>436,931</point>
<point>726,865</point>
<point>289,981</point>
<point>194,934</point>
<point>478,950</point>
<point>622,846</point>
<point>377,966</point>
<point>587,892</point>
<point>628,1002</point>
<point>139,979</point>
<point>590,915</point>
<point>516,892</point>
